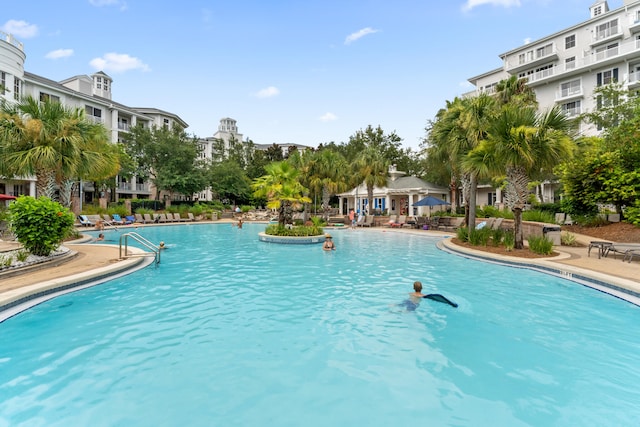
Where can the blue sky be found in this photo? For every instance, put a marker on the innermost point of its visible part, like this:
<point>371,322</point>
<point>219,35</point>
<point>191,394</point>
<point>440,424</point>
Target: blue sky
<point>289,71</point>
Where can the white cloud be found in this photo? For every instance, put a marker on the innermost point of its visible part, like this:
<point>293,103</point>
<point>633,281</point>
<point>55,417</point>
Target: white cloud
<point>118,63</point>
<point>527,40</point>
<point>268,92</point>
<point>470,4</point>
<point>359,34</point>
<point>59,53</point>
<point>101,3</point>
<point>328,117</point>
<point>20,29</point>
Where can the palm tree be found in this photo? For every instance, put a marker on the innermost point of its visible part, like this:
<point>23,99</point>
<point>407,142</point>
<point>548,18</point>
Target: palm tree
<point>515,90</point>
<point>327,174</point>
<point>372,168</point>
<point>281,188</point>
<point>54,143</point>
<point>521,142</point>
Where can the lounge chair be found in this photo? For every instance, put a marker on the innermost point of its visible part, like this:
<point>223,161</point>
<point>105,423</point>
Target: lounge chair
<point>624,249</point>
<point>117,219</point>
<point>148,219</point>
<point>402,219</point>
<point>368,221</point>
<point>107,220</point>
<point>191,217</point>
<point>139,219</point>
<point>85,222</point>
<point>178,218</point>
<point>454,223</point>
<point>393,219</point>
<point>497,223</point>
<point>130,218</point>
<point>161,218</point>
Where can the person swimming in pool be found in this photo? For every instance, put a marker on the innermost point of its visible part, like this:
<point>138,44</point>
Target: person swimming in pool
<point>417,290</point>
<point>411,303</point>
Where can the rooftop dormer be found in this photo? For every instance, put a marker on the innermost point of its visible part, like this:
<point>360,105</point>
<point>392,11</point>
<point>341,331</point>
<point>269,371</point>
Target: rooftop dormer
<point>600,7</point>
<point>102,84</point>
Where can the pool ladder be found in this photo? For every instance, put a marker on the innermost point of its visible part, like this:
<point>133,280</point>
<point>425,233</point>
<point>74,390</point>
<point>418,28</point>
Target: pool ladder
<point>154,249</point>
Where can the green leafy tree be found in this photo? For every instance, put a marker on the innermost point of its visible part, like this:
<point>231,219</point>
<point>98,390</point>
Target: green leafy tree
<point>282,190</point>
<point>327,173</point>
<point>228,181</point>
<point>168,157</point>
<point>40,224</point>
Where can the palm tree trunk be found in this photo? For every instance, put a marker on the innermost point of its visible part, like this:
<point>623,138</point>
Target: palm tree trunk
<point>66,190</point>
<point>370,198</point>
<point>517,228</point>
<point>326,196</point>
<point>45,184</point>
<point>473,186</point>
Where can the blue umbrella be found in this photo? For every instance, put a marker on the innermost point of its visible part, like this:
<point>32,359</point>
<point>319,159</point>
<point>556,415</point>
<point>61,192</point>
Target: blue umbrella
<point>431,201</point>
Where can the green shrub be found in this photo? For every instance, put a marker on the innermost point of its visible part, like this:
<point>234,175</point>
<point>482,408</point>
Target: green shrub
<point>22,255</point>
<point>142,211</point>
<point>509,240</point>
<point>538,216</point>
<point>497,236</point>
<point>40,224</point>
<point>480,237</point>
<point>301,231</point>
<point>593,220</point>
<point>567,239</point>
<point>463,234</point>
<point>6,261</point>
<point>540,245</point>
<point>632,213</point>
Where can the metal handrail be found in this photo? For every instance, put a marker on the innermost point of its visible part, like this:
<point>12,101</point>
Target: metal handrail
<point>138,238</point>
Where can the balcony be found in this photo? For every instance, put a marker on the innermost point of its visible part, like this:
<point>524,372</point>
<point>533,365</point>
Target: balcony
<point>541,76</point>
<point>124,126</point>
<point>572,112</point>
<point>11,40</point>
<point>531,58</point>
<point>94,119</point>
<point>606,35</point>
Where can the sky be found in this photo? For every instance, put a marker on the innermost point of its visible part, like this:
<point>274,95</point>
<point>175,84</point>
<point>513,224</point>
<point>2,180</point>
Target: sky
<point>288,71</point>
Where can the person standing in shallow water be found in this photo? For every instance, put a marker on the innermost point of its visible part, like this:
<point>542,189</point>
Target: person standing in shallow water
<point>328,243</point>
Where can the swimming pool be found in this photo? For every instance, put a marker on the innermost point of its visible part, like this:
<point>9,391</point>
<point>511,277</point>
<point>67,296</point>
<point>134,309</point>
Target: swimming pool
<point>232,331</point>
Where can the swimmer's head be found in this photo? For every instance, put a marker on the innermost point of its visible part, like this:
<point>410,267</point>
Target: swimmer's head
<point>162,244</point>
<point>417,286</point>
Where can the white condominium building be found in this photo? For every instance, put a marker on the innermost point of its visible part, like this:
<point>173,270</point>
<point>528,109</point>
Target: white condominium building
<point>564,68</point>
<point>92,94</point>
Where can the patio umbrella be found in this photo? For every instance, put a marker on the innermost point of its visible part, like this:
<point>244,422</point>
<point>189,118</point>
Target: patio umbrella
<point>431,201</point>
<point>6,197</point>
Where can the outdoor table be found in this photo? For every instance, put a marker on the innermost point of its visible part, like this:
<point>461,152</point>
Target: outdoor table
<point>600,245</point>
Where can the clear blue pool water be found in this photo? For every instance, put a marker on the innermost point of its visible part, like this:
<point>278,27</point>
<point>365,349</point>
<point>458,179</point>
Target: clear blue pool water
<point>230,331</point>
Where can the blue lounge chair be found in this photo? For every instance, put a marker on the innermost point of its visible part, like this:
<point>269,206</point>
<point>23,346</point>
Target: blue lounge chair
<point>117,219</point>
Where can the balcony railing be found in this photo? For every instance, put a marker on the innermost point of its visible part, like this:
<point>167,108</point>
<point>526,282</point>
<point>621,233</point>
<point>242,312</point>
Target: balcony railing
<point>572,112</point>
<point>123,126</point>
<point>605,34</point>
<point>11,40</point>
<point>95,119</point>
<point>133,186</point>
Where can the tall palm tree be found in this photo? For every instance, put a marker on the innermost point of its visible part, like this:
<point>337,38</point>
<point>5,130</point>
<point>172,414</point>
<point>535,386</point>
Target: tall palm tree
<point>281,188</point>
<point>327,173</point>
<point>521,142</point>
<point>56,144</point>
<point>372,168</point>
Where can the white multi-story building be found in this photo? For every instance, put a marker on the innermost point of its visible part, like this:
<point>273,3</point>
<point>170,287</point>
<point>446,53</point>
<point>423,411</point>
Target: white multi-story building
<point>564,68</point>
<point>91,93</point>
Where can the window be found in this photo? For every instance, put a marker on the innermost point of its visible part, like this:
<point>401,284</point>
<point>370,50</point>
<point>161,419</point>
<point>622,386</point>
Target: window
<point>570,41</point>
<point>166,122</point>
<point>570,88</point>
<point>572,109</point>
<point>491,199</point>
<point>99,82</point>
<point>606,77</point>
<point>45,96</point>
<point>3,82</point>
<point>16,88</point>
<point>597,10</point>
<point>105,85</point>
<point>570,63</point>
<point>93,113</point>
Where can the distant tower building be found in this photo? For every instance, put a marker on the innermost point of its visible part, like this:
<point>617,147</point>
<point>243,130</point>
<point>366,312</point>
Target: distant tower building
<point>227,130</point>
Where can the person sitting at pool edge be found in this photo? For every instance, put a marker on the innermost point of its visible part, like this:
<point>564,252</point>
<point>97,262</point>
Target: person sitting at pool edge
<point>417,290</point>
<point>328,243</point>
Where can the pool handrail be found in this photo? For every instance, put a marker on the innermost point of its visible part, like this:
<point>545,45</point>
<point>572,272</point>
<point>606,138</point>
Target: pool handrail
<point>138,238</point>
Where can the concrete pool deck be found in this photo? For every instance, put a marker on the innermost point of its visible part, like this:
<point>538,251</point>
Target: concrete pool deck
<point>88,262</point>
